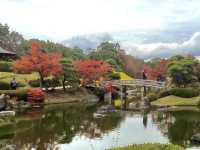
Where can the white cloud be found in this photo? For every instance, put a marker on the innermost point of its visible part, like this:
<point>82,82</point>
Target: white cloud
<point>192,46</point>
<point>59,19</point>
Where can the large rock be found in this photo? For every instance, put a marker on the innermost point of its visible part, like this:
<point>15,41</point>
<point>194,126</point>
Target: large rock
<point>196,138</point>
<point>133,105</point>
<point>7,113</point>
<point>3,102</point>
<point>106,109</point>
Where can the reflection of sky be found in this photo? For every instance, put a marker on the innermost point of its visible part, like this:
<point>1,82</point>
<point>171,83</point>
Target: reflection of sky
<point>130,131</point>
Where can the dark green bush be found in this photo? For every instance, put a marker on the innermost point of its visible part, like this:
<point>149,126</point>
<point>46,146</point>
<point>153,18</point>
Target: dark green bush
<point>181,92</point>
<point>99,92</point>
<point>20,94</point>
<point>114,76</point>
<point>34,83</point>
<point>4,85</point>
<point>5,66</point>
<point>52,82</point>
<point>47,83</point>
<point>152,96</point>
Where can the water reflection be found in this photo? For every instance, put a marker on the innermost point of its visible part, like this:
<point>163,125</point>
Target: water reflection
<point>179,127</point>
<point>74,127</point>
<point>43,130</point>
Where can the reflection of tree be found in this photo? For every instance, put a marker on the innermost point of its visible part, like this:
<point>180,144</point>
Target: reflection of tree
<point>145,120</point>
<point>178,126</point>
<point>59,125</point>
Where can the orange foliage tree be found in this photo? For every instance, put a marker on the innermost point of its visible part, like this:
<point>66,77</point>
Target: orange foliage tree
<point>91,70</point>
<point>38,61</point>
<point>160,69</point>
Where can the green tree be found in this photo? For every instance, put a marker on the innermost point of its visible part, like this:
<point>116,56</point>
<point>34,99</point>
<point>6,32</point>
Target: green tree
<point>68,74</point>
<point>107,52</point>
<point>182,70</point>
<point>10,40</point>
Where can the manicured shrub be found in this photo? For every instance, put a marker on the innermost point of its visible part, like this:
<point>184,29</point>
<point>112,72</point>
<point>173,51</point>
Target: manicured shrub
<point>35,95</point>
<point>152,96</point>
<point>34,83</point>
<point>53,82</point>
<point>114,76</point>
<point>5,66</point>
<point>4,85</point>
<point>181,92</point>
<point>99,92</point>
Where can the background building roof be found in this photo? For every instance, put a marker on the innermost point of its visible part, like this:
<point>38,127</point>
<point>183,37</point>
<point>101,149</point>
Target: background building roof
<point>3,51</point>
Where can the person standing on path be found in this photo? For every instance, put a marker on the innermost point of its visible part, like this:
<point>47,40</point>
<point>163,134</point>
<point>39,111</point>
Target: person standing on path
<point>13,84</point>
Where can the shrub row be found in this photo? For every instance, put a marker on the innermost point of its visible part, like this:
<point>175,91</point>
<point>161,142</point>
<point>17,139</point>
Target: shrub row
<point>153,96</point>
<point>5,66</point>
<point>181,92</point>
<point>114,76</point>
<point>47,83</point>
<point>6,86</point>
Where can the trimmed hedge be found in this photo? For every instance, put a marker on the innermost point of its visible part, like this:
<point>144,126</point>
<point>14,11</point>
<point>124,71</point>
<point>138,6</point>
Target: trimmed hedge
<point>114,76</point>
<point>34,83</point>
<point>21,94</point>
<point>53,82</point>
<point>180,92</point>
<point>152,96</point>
<point>6,86</point>
<point>155,146</point>
<point>5,66</point>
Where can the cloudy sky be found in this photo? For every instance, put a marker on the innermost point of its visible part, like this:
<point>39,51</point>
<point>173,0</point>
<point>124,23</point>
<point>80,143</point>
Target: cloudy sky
<point>173,24</point>
<point>60,19</point>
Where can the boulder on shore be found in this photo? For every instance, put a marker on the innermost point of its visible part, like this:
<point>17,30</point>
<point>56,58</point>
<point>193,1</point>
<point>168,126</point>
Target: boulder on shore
<point>3,102</point>
<point>106,109</point>
<point>196,138</point>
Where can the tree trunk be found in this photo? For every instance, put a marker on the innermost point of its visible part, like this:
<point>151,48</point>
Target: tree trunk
<point>63,83</point>
<point>41,80</point>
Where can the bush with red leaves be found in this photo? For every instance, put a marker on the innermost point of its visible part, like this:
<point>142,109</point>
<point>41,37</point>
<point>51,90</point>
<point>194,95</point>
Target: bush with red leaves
<point>36,95</point>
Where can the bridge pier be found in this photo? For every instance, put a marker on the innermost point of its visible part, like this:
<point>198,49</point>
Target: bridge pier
<point>108,97</point>
<point>125,96</point>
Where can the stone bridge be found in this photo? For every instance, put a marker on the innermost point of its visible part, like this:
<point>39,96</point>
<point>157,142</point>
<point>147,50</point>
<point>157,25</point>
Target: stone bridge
<point>137,82</point>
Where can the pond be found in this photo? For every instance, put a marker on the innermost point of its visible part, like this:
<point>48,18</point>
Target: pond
<point>73,127</point>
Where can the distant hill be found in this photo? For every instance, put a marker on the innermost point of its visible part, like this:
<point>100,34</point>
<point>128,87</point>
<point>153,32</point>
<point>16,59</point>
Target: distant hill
<point>175,39</point>
<point>88,41</point>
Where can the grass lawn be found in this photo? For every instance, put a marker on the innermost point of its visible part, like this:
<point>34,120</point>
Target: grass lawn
<point>21,78</point>
<point>124,76</point>
<point>150,147</point>
<point>176,101</point>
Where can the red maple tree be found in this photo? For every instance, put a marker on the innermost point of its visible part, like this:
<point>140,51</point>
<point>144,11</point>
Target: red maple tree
<point>91,70</point>
<point>38,61</point>
<point>160,69</point>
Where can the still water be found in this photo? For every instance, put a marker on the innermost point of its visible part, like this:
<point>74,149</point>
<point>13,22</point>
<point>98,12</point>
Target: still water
<point>74,127</point>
